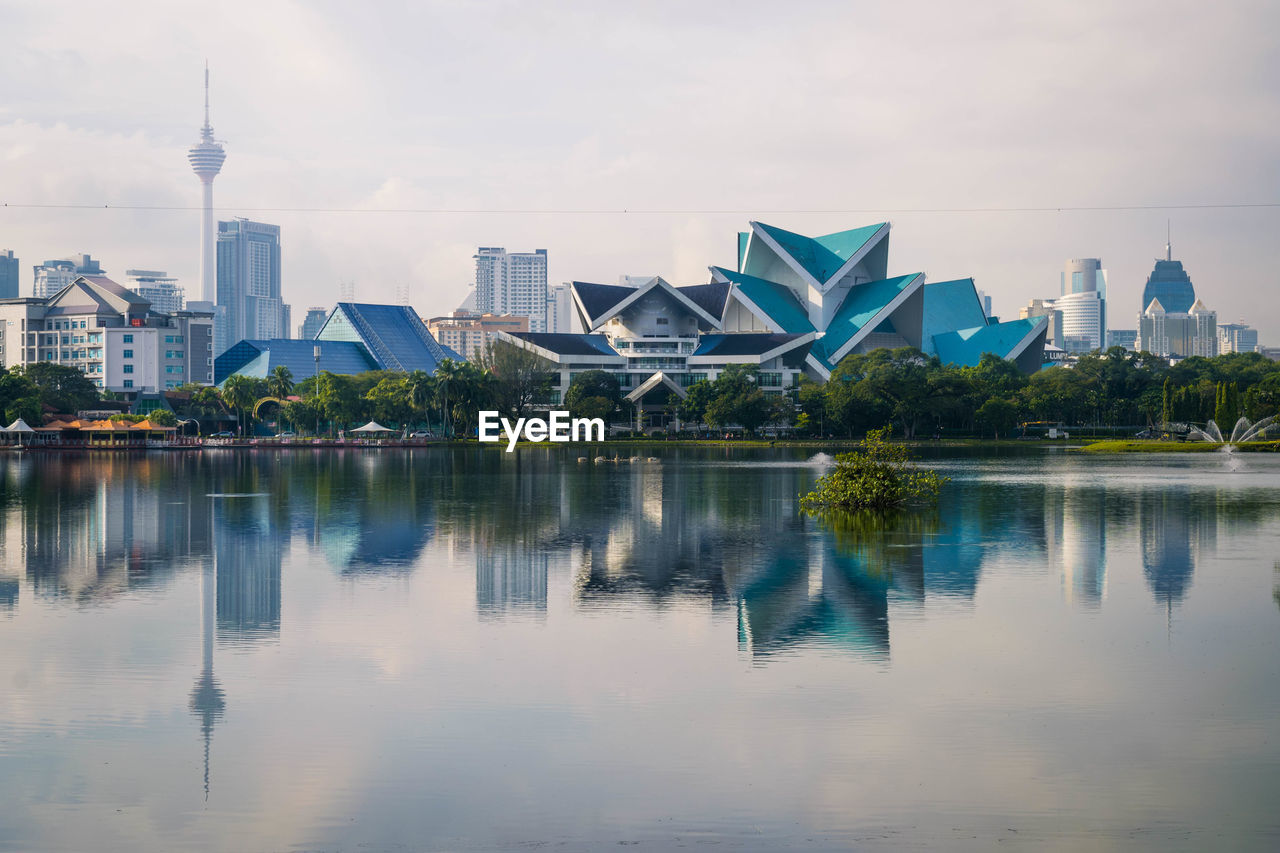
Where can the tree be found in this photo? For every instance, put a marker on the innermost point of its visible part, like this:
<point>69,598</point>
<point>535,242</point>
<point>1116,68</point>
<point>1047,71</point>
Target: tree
<point>163,417</point>
<point>448,384</point>
<point>698,396</point>
<point>63,388</point>
<point>875,476</point>
<point>1000,414</point>
<point>337,398</point>
<point>593,394</point>
<point>524,377</point>
<point>19,397</point>
<point>239,393</point>
<point>389,401</point>
<point>280,382</point>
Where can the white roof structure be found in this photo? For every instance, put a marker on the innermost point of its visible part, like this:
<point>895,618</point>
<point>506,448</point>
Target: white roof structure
<point>18,426</point>
<point>372,426</point>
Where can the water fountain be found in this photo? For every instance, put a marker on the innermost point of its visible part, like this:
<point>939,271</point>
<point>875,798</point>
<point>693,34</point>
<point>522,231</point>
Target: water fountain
<point>1243,431</point>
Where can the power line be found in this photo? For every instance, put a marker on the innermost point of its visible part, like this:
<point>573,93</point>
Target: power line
<point>461,211</point>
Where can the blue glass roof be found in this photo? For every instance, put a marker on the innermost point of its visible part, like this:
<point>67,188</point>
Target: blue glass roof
<point>860,307</point>
<point>1170,284</point>
<point>259,358</point>
<point>776,300</point>
<point>966,347</point>
<point>394,335</point>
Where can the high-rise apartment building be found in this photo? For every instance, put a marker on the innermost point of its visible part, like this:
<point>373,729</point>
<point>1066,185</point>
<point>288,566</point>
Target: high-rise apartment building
<point>1083,303</point>
<point>512,283</point>
<point>560,309</point>
<point>249,284</point>
<point>312,323</point>
<point>1170,284</point>
<point>1237,337</point>
<point>52,276</point>
<point>157,287</point>
<point>8,275</point>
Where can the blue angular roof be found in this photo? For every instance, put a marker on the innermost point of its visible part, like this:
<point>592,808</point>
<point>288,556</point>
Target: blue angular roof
<point>394,335</point>
<point>949,305</point>
<point>863,304</point>
<point>775,300</point>
<point>741,343</point>
<point>259,358</point>
<point>709,297</point>
<point>822,257</point>
<point>966,347</point>
<point>568,344</point>
<point>598,299</point>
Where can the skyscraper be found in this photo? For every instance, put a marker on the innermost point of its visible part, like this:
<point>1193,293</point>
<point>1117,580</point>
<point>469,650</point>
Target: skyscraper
<point>512,283</point>
<point>312,323</point>
<point>1083,303</point>
<point>249,284</point>
<point>206,158</point>
<point>8,275</point>
<point>1170,284</point>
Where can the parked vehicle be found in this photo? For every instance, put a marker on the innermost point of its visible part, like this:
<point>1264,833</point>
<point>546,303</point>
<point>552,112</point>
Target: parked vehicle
<point>224,435</point>
<point>422,433</point>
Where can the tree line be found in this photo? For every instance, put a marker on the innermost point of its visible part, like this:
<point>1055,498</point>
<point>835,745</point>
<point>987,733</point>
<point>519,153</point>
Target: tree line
<point>914,393</point>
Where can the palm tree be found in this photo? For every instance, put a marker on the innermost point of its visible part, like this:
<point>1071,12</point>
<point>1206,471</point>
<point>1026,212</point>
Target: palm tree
<point>238,393</point>
<point>421,389</point>
<point>280,382</point>
<point>448,382</point>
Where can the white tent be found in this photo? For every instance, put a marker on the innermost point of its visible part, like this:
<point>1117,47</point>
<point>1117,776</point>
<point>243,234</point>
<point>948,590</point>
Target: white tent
<point>371,426</point>
<point>18,426</point>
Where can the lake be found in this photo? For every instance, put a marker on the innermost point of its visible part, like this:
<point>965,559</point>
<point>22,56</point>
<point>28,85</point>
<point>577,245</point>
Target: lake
<point>465,649</point>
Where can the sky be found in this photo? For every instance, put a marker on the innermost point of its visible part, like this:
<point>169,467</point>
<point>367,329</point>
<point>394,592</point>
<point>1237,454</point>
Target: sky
<point>390,140</point>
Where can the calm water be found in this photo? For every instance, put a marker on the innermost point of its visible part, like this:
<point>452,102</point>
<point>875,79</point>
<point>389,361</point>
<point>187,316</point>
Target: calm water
<point>468,650</point>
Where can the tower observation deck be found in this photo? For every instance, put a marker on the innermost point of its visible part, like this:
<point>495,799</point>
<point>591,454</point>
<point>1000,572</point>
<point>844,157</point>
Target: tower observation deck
<point>206,158</point>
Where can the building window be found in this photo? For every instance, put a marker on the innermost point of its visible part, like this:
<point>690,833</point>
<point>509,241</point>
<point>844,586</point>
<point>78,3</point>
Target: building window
<point>128,368</point>
<point>127,353</point>
<point>128,383</point>
<point>128,339</point>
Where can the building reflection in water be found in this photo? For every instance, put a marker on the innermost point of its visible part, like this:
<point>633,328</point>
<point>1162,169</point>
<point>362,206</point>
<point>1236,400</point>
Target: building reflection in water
<point>1075,525</point>
<point>1175,527</point>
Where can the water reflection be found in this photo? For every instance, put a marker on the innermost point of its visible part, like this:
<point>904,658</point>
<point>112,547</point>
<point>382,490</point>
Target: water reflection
<point>702,529</point>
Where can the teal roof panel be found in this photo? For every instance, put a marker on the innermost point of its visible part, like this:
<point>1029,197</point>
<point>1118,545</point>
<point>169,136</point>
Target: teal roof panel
<point>966,347</point>
<point>862,306</point>
<point>950,305</point>
<point>775,300</point>
<point>822,257</point>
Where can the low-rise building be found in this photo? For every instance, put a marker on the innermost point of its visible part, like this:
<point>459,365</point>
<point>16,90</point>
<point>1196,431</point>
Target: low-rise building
<point>110,334</point>
<point>469,332</point>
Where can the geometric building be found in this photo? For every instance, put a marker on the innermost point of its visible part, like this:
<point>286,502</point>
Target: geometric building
<point>355,338</point>
<point>312,323</point>
<point>792,305</point>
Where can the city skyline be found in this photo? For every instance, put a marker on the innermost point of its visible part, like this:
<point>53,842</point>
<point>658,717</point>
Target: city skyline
<point>320,115</point>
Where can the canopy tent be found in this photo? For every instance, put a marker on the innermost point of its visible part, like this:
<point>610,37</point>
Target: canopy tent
<point>371,426</point>
<point>18,426</point>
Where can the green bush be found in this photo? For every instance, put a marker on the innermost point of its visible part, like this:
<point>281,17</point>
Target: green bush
<point>875,476</point>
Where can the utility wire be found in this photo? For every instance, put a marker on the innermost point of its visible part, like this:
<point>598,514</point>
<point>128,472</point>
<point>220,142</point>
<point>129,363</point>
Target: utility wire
<point>650,211</point>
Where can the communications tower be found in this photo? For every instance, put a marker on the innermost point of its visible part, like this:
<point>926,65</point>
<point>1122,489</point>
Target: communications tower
<point>206,158</point>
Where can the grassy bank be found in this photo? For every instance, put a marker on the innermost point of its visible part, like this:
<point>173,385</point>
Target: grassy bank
<point>1176,447</point>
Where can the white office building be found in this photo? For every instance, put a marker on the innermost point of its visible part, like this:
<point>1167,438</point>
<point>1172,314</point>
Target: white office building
<point>1083,303</point>
<point>512,283</point>
<point>1237,337</point>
